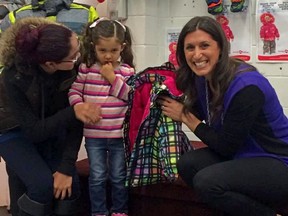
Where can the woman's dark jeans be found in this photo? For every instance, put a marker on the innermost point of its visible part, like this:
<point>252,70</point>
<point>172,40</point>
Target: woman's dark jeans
<point>31,168</point>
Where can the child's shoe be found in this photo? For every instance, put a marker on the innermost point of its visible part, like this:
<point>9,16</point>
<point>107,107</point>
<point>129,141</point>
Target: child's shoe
<point>237,5</point>
<point>214,6</point>
<point>119,214</point>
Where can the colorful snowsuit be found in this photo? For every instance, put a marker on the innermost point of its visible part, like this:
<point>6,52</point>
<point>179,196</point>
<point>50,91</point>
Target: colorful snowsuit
<point>153,142</point>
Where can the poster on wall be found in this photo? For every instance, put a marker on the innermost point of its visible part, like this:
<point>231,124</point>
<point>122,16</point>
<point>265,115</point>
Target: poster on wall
<point>272,21</point>
<point>171,45</point>
<point>237,27</point>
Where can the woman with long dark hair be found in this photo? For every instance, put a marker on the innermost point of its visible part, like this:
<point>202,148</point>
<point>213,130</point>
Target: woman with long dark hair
<point>235,111</point>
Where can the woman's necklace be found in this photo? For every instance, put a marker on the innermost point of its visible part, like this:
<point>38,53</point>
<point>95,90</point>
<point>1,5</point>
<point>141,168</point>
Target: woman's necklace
<point>208,107</point>
<point>207,103</point>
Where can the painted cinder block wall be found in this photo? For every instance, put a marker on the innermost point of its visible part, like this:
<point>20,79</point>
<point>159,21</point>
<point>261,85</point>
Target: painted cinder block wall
<point>149,20</point>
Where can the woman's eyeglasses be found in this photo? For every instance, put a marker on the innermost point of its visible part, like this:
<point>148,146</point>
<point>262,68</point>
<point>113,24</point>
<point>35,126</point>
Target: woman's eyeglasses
<point>73,60</point>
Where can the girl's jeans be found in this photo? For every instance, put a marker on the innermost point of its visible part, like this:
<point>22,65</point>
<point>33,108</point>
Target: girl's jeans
<point>107,160</point>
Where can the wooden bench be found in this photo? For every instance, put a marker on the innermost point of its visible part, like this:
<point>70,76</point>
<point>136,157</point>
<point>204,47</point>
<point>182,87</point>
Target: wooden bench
<point>167,199</point>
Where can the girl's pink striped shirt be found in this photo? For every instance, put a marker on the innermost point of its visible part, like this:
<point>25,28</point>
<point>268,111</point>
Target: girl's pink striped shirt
<point>90,86</point>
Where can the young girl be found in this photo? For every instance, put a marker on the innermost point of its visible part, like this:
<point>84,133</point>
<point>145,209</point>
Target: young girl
<point>101,80</point>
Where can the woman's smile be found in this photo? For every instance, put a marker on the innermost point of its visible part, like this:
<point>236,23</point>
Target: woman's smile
<point>201,52</point>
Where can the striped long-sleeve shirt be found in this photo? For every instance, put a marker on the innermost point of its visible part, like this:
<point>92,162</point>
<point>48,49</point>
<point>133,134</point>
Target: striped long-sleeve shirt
<point>91,86</point>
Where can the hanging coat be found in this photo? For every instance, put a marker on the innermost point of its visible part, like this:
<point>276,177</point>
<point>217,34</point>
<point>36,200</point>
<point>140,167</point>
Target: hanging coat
<point>153,141</point>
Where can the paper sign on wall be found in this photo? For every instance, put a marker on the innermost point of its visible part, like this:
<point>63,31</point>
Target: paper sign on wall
<point>237,27</point>
<point>272,21</point>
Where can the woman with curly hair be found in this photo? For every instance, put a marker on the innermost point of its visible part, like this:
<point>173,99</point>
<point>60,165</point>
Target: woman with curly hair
<point>40,132</point>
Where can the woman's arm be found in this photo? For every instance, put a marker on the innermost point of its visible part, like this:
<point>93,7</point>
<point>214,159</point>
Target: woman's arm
<point>237,123</point>
<point>174,110</point>
<point>35,127</point>
<point>239,118</point>
<point>40,128</point>
<point>66,168</point>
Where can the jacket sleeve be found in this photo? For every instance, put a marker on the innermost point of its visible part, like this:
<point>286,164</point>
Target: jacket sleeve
<point>5,23</point>
<point>172,143</point>
<point>40,130</point>
<point>238,121</point>
<point>120,88</point>
<point>37,129</point>
<point>77,89</point>
<point>72,145</point>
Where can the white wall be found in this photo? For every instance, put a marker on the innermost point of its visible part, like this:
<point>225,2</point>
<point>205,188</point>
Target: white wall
<point>149,20</point>
<point>106,7</point>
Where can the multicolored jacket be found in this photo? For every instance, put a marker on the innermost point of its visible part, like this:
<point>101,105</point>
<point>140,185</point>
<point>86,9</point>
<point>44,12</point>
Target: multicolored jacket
<point>153,142</point>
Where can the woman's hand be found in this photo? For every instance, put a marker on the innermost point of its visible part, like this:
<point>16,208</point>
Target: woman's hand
<point>174,110</point>
<point>88,113</point>
<point>62,185</point>
<point>171,108</point>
